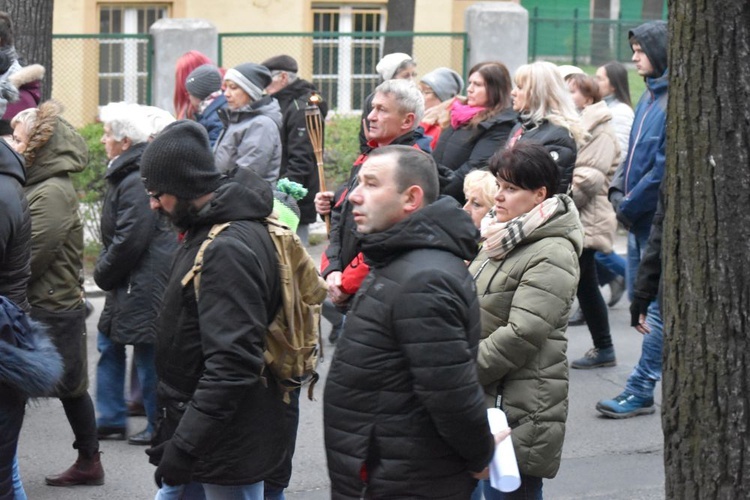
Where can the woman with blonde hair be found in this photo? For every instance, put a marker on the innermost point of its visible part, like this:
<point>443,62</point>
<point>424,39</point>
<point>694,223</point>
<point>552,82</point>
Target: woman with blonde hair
<point>547,116</point>
<point>479,190</point>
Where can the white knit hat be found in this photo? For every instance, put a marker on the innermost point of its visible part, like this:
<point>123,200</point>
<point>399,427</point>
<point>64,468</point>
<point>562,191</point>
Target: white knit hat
<point>388,65</point>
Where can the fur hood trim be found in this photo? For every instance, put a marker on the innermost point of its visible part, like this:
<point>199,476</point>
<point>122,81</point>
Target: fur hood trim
<point>43,128</point>
<point>27,74</point>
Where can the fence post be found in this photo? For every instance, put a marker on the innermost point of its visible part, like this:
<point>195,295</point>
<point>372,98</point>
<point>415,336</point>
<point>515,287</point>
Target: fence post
<point>172,38</point>
<point>534,25</point>
<point>575,36</point>
<point>619,36</point>
<point>498,31</point>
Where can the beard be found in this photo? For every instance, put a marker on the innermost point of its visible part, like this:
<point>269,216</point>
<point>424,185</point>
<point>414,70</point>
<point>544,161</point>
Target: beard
<point>183,216</point>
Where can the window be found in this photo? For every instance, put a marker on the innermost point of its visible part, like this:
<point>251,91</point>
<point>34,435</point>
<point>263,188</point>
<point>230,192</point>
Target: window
<point>123,71</point>
<point>344,66</point>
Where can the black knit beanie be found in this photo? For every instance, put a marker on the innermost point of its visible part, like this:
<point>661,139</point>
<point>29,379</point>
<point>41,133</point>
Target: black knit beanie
<point>179,162</point>
<point>203,81</point>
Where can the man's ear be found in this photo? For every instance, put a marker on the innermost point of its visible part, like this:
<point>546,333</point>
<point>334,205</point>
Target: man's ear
<point>414,199</point>
<point>408,122</point>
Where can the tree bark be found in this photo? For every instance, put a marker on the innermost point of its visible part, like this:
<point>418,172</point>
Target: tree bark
<point>400,18</point>
<point>706,265</point>
<point>32,26</point>
<point>601,50</point>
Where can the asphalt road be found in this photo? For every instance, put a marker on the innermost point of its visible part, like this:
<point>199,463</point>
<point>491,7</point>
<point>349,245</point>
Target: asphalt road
<point>602,458</point>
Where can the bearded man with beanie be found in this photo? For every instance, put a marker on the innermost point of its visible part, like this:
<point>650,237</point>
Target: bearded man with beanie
<point>298,162</point>
<point>634,193</point>
<point>203,85</point>
<point>222,428</point>
<point>252,123</point>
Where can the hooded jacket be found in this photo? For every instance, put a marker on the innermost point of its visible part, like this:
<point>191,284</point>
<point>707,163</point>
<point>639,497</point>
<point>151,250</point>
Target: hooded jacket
<point>216,408</point>
<point>596,162</point>
<point>525,301</point>
<point>56,229</point>
<point>251,139</point>
<point>210,118</point>
<point>468,148</point>
<point>402,398</point>
<point>635,187</point>
<point>15,228</point>
<point>298,162</point>
<point>138,245</point>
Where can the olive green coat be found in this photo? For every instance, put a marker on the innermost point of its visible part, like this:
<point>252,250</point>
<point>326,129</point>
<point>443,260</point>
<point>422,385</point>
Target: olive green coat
<point>525,301</point>
<point>56,230</point>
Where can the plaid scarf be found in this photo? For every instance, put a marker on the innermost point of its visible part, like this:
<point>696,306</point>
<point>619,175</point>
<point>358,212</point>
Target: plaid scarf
<point>502,237</point>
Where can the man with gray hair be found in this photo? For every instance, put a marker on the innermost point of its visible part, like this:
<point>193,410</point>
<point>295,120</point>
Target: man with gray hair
<point>298,162</point>
<point>397,109</point>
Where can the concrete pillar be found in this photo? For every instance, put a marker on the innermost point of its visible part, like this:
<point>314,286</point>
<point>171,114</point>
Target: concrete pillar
<point>172,38</point>
<point>498,31</point>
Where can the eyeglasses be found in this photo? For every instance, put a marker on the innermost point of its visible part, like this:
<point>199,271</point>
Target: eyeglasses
<point>155,196</point>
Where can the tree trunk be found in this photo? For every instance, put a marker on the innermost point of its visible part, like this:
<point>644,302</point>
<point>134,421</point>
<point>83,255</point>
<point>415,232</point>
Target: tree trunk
<point>32,23</point>
<point>400,18</point>
<point>652,9</point>
<point>706,408</point>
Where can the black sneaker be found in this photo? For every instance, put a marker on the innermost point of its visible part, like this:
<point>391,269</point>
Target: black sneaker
<point>111,433</point>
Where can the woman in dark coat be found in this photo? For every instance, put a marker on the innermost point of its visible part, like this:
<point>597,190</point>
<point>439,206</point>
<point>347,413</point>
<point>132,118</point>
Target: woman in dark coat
<point>479,125</point>
<point>132,268</point>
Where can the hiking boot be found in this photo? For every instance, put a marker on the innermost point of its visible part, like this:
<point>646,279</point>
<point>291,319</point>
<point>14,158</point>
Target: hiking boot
<point>616,289</point>
<point>86,471</point>
<point>596,358</point>
<point>626,405</point>
<point>577,319</point>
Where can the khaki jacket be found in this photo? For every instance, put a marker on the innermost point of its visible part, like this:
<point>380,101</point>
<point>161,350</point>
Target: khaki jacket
<point>598,158</point>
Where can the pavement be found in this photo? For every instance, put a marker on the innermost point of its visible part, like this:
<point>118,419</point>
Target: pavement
<point>602,458</point>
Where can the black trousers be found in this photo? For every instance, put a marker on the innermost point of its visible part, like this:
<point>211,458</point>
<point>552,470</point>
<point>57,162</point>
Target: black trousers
<point>591,302</point>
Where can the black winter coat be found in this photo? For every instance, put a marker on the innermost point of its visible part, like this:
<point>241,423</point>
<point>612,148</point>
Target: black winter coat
<point>213,402</point>
<point>469,148</point>
<point>138,245</point>
<point>298,161</point>
<point>648,281</point>
<point>15,228</point>
<point>402,396</point>
<point>558,142</point>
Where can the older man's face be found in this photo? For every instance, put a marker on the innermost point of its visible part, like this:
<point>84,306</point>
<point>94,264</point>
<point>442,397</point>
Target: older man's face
<point>112,146</point>
<point>387,122</point>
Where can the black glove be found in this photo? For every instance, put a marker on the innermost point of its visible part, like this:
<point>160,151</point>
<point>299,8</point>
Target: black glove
<point>638,307</point>
<point>155,453</point>
<point>175,467</point>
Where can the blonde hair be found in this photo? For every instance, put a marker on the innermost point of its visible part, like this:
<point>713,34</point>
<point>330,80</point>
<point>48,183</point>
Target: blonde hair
<point>487,184</point>
<point>548,98</point>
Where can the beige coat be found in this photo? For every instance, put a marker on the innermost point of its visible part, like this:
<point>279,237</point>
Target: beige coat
<point>598,157</point>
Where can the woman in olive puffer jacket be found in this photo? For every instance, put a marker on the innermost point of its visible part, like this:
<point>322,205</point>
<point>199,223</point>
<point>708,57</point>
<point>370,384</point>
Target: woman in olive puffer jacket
<point>526,276</point>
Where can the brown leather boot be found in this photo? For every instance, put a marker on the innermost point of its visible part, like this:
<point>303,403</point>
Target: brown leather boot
<point>85,471</point>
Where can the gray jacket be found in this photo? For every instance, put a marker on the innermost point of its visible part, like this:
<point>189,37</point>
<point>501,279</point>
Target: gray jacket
<point>251,139</point>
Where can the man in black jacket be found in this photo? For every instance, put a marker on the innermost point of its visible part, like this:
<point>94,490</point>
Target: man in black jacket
<point>298,161</point>
<point>15,271</point>
<point>404,414</point>
<point>221,424</point>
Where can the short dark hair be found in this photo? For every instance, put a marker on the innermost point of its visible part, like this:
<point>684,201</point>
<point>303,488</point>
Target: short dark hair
<point>6,29</point>
<point>617,74</point>
<point>528,166</point>
<point>586,85</point>
<point>413,167</point>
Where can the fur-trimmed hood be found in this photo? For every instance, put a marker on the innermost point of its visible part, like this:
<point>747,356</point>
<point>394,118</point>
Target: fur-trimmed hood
<point>30,361</point>
<point>27,74</point>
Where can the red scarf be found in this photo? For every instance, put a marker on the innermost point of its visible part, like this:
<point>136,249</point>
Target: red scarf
<point>461,114</point>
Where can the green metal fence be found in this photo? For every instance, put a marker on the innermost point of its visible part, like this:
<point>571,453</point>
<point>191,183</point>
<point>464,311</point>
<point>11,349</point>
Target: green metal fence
<point>342,65</point>
<point>92,70</point>
<point>579,40</point>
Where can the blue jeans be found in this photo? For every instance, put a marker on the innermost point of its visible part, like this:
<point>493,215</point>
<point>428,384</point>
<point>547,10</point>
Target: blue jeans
<point>18,490</point>
<point>110,385</point>
<point>637,241</point>
<point>530,489</point>
<point>609,266</point>
<point>205,491</point>
<point>648,370</point>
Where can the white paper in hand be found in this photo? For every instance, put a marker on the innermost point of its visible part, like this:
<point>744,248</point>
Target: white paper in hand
<point>504,475</point>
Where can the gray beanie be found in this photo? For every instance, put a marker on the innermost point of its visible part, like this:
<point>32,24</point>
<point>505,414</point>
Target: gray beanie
<point>179,162</point>
<point>252,78</point>
<point>203,81</point>
<point>445,82</point>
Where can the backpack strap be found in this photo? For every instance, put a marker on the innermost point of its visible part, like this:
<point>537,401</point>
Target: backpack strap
<point>195,272</point>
